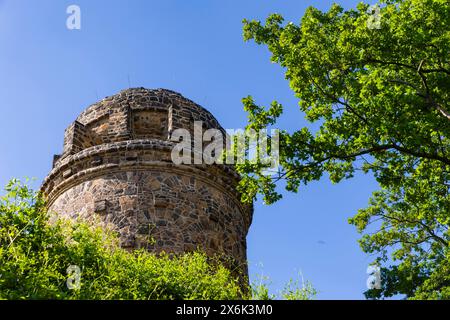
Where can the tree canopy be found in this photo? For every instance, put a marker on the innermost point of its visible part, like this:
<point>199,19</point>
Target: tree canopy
<point>380,94</point>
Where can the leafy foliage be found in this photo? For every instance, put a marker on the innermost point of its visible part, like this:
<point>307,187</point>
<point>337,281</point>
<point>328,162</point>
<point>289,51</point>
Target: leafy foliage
<point>381,98</point>
<point>291,291</point>
<point>36,254</point>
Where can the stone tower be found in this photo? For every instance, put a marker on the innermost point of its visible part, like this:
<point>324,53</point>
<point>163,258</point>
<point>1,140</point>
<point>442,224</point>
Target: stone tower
<point>116,165</point>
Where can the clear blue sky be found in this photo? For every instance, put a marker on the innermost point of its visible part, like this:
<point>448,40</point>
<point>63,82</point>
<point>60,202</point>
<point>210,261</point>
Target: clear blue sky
<point>49,74</point>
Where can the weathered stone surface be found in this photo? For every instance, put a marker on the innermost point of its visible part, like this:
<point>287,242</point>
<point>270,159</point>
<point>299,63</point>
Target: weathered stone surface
<point>116,165</point>
<point>99,206</point>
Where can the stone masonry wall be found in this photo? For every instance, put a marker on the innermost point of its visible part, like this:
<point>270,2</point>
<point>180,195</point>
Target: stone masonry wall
<point>179,212</point>
<point>116,167</point>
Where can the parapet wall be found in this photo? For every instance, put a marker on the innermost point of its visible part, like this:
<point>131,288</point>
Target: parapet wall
<point>134,114</point>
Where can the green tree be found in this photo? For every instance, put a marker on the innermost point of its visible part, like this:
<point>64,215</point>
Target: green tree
<point>380,95</point>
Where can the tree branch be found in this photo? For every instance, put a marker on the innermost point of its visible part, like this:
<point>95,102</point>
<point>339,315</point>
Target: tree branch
<point>425,227</point>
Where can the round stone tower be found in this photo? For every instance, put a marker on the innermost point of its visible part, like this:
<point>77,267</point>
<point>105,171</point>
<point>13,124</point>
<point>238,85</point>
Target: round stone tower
<point>116,165</point>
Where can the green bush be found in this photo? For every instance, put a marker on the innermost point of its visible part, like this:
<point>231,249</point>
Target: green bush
<point>35,256</point>
<point>43,258</point>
